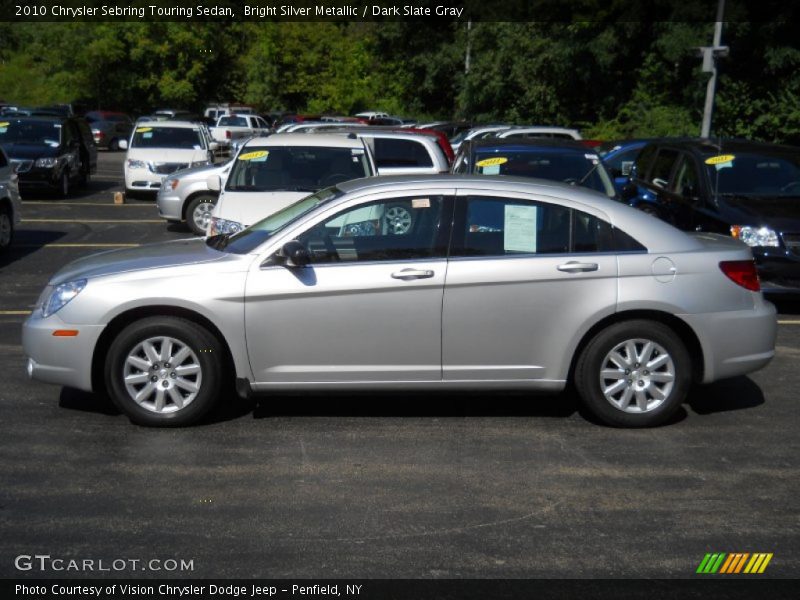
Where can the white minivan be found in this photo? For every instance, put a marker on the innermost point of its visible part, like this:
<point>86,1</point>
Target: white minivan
<point>159,148</point>
<point>270,173</point>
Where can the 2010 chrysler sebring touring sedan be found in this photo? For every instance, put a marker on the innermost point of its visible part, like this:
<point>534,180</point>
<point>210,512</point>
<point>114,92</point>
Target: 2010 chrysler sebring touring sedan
<point>494,283</point>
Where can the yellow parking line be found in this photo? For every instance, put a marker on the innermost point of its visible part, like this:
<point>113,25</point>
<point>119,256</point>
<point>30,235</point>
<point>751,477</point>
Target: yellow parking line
<point>14,312</point>
<point>76,245</point>
<point>93,220</point>
<point>788,322</point>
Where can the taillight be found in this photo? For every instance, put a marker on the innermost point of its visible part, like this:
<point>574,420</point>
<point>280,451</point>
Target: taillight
<point>227,134</point>
<point>742,272</point>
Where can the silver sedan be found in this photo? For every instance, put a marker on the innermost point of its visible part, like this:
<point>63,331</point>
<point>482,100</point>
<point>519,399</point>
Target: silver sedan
<point>488,283</point>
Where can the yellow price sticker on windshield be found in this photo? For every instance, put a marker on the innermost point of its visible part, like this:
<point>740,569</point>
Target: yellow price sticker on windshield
<point>144,129</point>
<point>492,162</point>
<point>5,124</point>
<point>254,155</point>
<point>722,158</point>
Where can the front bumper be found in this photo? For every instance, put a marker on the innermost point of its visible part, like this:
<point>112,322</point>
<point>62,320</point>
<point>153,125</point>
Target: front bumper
<point>170,205</point>
<point>143,180</point>
<point>60,360</point>
<point>736,342</point>
<point>39,178</point>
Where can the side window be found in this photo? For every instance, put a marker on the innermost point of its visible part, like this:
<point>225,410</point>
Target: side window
<point>3,161</point>
<point>386,230</point>
<point>686,178</point>
<point>663,167</point>
<point>504,226</point>
<point>644,160</point>
<point>401,153</point>
<point>461,165</point>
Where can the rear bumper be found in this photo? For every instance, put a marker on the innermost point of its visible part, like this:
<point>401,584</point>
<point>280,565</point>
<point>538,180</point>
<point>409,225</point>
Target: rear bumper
<point>735,342</point>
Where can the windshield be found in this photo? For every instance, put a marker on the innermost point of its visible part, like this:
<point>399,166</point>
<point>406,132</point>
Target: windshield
<point>167,137</point>
<point>249,239</point>
<point>295,168</point>
<point>583,169</point>
<point>755,174</point>
<point>30,132</point>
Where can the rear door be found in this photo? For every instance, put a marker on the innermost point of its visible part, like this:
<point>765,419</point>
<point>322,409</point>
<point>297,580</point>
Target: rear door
<point>525,280</point>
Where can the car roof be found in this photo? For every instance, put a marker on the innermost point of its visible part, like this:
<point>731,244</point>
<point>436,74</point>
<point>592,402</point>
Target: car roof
<point>717,146</point>
<point>306,139</point>
<point>521,145</point>
<point>42,118</point>
<point>177,124</point>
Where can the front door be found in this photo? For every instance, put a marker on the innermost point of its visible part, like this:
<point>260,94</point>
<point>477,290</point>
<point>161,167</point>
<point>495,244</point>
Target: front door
<point>367,308</point>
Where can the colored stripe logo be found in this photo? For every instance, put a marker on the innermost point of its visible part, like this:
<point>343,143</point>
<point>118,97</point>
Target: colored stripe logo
<point>734,563</point>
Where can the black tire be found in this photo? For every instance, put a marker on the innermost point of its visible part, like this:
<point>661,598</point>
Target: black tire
<point>6,228</point>
<point>643,382</point>
<point>63,184</point>
<point>196,204</point>
<point>206,353</point>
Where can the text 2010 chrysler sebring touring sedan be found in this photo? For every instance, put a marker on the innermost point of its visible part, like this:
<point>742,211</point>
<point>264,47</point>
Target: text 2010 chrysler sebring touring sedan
<point>487,283</point>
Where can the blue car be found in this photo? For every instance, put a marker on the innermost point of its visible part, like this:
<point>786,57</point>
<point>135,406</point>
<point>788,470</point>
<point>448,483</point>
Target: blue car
<point>619,158</point>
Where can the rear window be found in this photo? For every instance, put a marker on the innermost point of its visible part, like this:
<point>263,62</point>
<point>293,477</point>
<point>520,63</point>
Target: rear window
<point>401,153</point>
<point>232,122</point>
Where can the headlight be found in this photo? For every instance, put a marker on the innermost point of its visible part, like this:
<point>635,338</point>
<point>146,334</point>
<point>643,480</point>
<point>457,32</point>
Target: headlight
<point>136,164</point>
<point>217,226</point>
<point>755,236</point>
<point>61,296</point>
<point>46,163</point>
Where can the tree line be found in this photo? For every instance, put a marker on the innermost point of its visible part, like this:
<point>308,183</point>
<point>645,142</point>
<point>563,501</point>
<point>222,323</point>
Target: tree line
<point>611,79</point>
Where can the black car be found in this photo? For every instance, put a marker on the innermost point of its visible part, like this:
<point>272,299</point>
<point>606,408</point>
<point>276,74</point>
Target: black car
<point>555,160</point>
<point>745,189</point>
<point>51,153</point>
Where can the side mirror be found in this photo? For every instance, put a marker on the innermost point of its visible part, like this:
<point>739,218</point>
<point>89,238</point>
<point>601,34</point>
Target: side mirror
<point>123,144</point>
<point>214,183</point>
<point>295,254</point>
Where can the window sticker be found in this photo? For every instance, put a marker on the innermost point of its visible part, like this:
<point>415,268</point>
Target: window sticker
<point>5,124</point>
<point>144,129</point>
<point>3,129</point>
<point>492,162</point>
<point>491,170</point>
<point>257,156</point>
<point>520,228</point>
<point>147,135</point>
<point>722,158</point>
<point>420,203</point>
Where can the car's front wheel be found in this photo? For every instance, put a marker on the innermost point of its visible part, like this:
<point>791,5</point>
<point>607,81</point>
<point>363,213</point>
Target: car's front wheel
<point>634,374</point>
<point>164,371</point>
<point>198,213</point>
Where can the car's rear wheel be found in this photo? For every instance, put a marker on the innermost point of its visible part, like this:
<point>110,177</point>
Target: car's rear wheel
<point>6,228</point>
<point>198,212</point>
<point>164,371</point>
<point>63,184</point>
<point>634,374</point>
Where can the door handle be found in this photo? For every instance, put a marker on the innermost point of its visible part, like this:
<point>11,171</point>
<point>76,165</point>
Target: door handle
<point>577,267</point>
<point>409,274</point>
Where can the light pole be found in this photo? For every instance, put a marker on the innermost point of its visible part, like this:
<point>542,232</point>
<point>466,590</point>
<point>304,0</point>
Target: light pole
<point>710,55</point>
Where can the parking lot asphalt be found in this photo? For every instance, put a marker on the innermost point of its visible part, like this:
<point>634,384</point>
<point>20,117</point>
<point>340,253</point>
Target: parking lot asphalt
<point>378,485</point>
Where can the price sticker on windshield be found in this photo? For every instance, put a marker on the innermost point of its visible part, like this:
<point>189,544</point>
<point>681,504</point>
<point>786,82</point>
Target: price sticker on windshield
<point>260,155</point>
<point>492,162</point>
<point>718,160</point>
<point>144,129</point>
<point>5,124</point>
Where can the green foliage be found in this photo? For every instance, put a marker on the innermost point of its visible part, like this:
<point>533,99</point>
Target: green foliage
<point>612,78</point>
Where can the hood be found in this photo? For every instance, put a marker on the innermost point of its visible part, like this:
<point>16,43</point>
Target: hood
<point>779,212</point>
<point>150,256</point>
<point>200,171</point>
<point>28,151</point>
<point>168,155</point>
<point>249,207</point>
